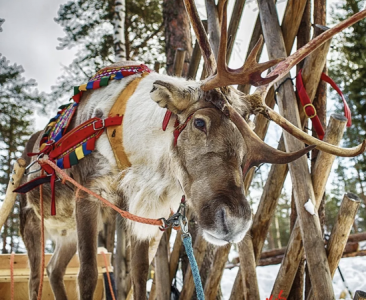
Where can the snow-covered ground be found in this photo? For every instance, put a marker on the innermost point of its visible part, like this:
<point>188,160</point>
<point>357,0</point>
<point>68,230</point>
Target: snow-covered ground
<point>352,268</point>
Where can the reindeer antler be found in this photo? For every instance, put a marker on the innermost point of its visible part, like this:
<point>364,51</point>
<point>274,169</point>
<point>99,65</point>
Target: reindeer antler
<point>221,75</point>
<point>250,72</point>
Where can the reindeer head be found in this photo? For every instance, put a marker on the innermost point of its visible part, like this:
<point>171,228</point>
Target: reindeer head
<point>215,146</point>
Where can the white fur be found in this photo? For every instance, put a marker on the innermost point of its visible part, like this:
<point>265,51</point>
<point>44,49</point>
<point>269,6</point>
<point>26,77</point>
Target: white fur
<point>150,185</point>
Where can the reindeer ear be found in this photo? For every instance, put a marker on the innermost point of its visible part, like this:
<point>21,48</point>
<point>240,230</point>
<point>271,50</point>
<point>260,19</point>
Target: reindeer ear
<point>170,96</point>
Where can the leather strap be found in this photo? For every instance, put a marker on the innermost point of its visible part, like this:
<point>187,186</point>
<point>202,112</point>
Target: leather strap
<point>30,185</point>
<point>309,108</point>
<point>80,133</point>
<point>347,111</point>
<point>115,133</point>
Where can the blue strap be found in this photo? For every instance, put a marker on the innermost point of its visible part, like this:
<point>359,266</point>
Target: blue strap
<point>187,241</point>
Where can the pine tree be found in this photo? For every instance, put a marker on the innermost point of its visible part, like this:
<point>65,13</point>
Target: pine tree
<point>90,27</point>
<point>348,69</point>
<point>18,100</point>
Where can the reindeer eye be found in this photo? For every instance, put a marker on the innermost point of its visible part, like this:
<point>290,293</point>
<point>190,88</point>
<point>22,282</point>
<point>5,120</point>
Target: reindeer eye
<point>200,124</point>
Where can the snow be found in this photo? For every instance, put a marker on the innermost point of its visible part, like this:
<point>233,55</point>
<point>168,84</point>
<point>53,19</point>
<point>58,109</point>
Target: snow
<point>352,268</point>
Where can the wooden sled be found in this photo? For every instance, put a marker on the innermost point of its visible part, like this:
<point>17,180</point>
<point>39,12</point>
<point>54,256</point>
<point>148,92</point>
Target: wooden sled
<point>21,277</point>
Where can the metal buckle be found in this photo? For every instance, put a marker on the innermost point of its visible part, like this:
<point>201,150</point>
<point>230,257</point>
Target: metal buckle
<point>31,164</point>
<point>103,125</point>
<point>305,106</point>
<point>176,219</point>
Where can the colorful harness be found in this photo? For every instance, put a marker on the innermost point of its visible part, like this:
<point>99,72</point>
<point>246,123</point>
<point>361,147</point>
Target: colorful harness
<point>66,149</point>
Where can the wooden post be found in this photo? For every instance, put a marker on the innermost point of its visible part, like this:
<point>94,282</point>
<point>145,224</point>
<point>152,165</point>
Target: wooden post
<point>267,205</point>
<point>195,62</point>
<point>234,25</point>
<point>179,58</point>
<point>10,196</point>
<point>174,257</point>
<point>340,232</point>
<point>248,272</point>
<point>213,26</point>
<point>237,290</point>
<point>213,281</point>
<point>162,270</point>
<point>320,176</point>
<point>199,249</point>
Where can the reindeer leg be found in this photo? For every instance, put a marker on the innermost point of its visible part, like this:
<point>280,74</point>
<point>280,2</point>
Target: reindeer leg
<point>139,267</point>
<point>30,228</point>
<point>65,250</point>
<point>87,230</point>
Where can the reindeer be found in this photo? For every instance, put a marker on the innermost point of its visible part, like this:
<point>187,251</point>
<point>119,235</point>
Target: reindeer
<point>214,150</point>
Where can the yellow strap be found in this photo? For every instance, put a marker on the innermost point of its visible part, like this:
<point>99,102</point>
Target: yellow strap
<point>79,152</point>
<point>115,133</point>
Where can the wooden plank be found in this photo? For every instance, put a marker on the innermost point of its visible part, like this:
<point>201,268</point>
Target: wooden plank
<point>21,261</point>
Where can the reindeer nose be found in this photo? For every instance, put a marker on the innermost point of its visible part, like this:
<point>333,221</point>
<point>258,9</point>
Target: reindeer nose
<point>221,219</point>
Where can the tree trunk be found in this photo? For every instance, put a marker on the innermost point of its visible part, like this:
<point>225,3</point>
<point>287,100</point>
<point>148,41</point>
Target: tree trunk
<point>177,33</point>
<point>119,30</point>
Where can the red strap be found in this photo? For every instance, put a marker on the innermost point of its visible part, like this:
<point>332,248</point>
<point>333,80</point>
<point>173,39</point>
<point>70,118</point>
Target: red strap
<point>166,120</point>
<point>80,133</point>
<point>347,111</point>
<point>309,108</point>
<point>179,129</point>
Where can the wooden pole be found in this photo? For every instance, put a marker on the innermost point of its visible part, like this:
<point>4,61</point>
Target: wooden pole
<point>234,25</point>
<point>179,58</point>
<point>340,232</point>
<point>303,189</point>
<point>10,196</point>
<point>174,257</point>
<point>237,290</point>
<point>199,249</point>
<point>195,62</point>
<point>213,26</point>
<point>218,265</point>
<point>267,205</point>
<point>320,176</point>
<point>162,270</point>
<point>248,271</point>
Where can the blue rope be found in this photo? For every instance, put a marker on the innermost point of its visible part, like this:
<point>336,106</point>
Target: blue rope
<point>187,241</point>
